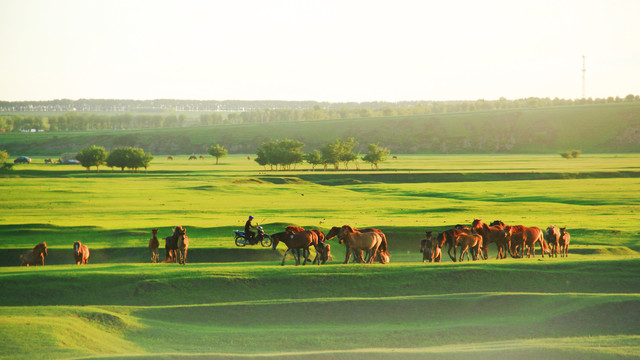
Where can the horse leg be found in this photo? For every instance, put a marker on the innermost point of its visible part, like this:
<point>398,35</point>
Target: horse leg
<point>372,256</point>
<point>285,256</point>
<point>347,256</point>
<point>453,257</point>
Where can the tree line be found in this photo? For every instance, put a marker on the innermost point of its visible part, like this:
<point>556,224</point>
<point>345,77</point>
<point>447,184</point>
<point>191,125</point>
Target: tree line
<point>286,154</point>
<point>83,122</point>
<point>125,157</point>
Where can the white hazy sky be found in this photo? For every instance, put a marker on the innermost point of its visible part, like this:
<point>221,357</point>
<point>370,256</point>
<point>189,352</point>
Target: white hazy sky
<point>317,50</point>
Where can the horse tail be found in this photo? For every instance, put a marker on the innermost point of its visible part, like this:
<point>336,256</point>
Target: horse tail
<point>383,243</point>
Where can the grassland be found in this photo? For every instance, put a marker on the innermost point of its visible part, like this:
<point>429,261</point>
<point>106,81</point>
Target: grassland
<point>239,303</point>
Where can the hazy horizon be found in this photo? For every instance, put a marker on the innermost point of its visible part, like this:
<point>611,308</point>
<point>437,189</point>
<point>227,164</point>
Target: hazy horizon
<point>325,51</point>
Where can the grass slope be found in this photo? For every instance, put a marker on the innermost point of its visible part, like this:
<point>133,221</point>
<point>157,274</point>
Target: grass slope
<point>597,128</point>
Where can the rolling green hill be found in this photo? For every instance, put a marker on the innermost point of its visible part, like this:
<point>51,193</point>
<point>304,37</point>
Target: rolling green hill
<point>594,128</point>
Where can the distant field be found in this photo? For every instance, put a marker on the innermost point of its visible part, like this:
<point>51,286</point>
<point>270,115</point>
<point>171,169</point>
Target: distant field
<point>596,128</point>
<point>233,302</point>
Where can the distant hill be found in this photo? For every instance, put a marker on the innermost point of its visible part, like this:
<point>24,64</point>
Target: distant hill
<point>593,128</point>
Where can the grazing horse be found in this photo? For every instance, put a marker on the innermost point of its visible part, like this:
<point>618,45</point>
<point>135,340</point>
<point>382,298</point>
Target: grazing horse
<point>359,241</point>
<point>35,256</point>
<point>552,236</point>
<point>170,157</point>
<point>193,157</point>
<point>183,246</point>
<point>154,244</point>
<point>80,253</point>
<point>565,238</point>
<point>171,245</point>
<point>298,240</point>
<point>201,157</point>
<point>48,161</point>
<point>429,248</point>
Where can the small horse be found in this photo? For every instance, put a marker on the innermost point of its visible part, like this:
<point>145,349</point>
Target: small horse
<point>429,248</point>
<point>48,161</point>
<point>193,157</point>
<point>170,157</point>
<point>183,246</point>
<point>552,236</point>
<point>35,256</point>
<point>80,253</point>
<point>154,244</point>
<point>450,237</point>
<point>201,157</point>
<point>565,238</point>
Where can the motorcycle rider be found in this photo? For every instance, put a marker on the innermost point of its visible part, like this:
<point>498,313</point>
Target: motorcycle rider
<point>248,234</point>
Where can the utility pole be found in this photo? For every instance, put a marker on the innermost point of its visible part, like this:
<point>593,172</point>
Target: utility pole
<point>584,70</point>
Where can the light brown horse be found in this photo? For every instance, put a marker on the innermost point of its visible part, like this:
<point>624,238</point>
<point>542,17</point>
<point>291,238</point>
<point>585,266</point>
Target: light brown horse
<point>298,240</point>
<point>170,157</point>
<point>80,253</point>
<point>183,246</point>
<point>429,248</point>
<point>552,236</point>
<point>35,256</point>
<point>154,244</point>
<point>563,243</point>
<point>382,255</point>
<point>359,241</point>
<point>466,242</point>
<point>526,238</point>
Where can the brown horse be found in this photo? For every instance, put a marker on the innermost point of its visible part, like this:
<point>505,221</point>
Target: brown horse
<point>382,254</point>
<point>563,243</point>
<point>359,241</point>
<point>193,157</point>
<point>80,253</point>
<point>298,240</point>
<point>183,246</point>
<point>154,244</point>
<point>429,248</point>
<point>526,237</point>
<point>450,237</point>
<point>171,245</point>
<point>35,256</point>
<point>552,236</point>
<point>466,242</point>
<point>490,234</point>
<point>48,161</point>
<point>170,157</point>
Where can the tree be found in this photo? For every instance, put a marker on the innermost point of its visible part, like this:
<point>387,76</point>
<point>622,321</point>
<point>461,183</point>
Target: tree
<point>376,155</point>
<point>92,156</point>
<point>3,156</point>
<point>314,158</point>
<point>575,153</point>
<point>283,153</point>
<point>129,157</point>
<point>217,151</point>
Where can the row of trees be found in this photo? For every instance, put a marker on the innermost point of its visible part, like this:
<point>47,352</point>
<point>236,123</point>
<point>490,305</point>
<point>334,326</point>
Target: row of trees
<point>125,157</point>
<point>83,121</point>
<point>285,154</point>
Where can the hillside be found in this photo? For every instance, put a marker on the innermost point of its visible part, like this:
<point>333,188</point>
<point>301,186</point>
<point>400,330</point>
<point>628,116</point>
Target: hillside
<point>595,128</point>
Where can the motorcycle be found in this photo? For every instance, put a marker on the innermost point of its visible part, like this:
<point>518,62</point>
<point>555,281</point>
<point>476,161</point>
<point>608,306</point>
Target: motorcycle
<point>260,237</point>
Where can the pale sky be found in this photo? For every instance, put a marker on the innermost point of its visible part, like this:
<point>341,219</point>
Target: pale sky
<point>364,50</point>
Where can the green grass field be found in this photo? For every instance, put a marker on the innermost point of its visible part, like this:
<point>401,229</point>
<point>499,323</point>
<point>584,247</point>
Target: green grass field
<point>233,302</point>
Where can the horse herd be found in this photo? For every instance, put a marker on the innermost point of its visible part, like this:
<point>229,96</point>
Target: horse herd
<point>514,240</point>
<point>367,245</point>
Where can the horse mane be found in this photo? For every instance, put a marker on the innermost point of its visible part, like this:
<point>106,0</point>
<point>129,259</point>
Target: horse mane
<point>351,230</point>
<point>320,235</point>
<point>293,228</point>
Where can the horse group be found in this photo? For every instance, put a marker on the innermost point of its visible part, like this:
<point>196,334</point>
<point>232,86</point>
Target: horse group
<point>36,255</point>
<point>176,246</point>
<point>514,240</point>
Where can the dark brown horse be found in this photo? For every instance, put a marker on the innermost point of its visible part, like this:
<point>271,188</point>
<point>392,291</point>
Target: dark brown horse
<point>565,238</point>
<point>193,157</point>
<point>298,240</point>
<point>154,244</point>
<point>429,248</point>
<point>171,245</point>
<point>35,256</point>
<point>80,253</point>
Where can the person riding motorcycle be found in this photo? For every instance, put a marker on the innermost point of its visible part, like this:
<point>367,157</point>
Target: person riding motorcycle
<point>248,234</point>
